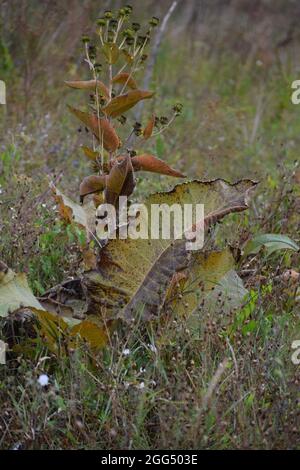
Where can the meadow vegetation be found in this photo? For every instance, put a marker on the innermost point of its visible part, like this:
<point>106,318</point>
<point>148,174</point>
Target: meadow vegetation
<point>221,378</point>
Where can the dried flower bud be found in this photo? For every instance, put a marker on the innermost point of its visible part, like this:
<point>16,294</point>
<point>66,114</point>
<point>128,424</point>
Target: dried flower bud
<point>98,67</point>
<point>122,12</point>
<point>101,22</point>
<point>137,125</point>
<point>136,26</point>
<point>154,21</point>
<point>128,33</point>
<point>128,9</point>
<point>92,52</point>
<point>85,39</point>
<point>113,24</point>
<point>164,120</point>
<point>177,108</point>
<point>108,14</point>
<point>141,40</point>
<point>122,119</point>
<point>131,152</point>
<point>129,41</point>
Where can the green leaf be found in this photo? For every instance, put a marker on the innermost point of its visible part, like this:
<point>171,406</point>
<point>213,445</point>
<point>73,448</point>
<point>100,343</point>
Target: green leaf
<point>272,242</point>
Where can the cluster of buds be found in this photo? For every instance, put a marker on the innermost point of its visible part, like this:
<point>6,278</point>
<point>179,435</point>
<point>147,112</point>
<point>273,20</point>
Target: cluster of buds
<point>164,120</point>
<point>177,108</point>
<point>122,119</point>
<point>132,153</point>
<point>129,36</point>
<point>92,52</point>
<point>85,39</point>
<point>125,11</point>
<point>154,21</point>
<point>137,128</point>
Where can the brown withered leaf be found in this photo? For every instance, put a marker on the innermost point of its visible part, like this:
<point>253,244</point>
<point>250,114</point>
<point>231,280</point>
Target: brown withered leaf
<point>136,273</point>
<point>120,181</point>
<point>89,85</point>
<point>92,184</point>
<point>125,78</point>
<point>101,128</point>
<point>121,104</point>
<point>147,162</point>
<point>147,132</point>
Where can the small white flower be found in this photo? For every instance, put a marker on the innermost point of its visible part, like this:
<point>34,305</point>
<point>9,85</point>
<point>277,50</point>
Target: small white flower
<point>142,385</point>
<point>153,348</point>
<point>43,380</point>
<point>126,352</point>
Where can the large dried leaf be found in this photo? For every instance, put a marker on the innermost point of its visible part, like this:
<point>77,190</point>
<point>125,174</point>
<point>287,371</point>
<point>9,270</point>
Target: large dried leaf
<point>101,128</point>
<point>82,215</point>
<point>153,164</point>
<point>135,274</point>
<point>92,184</point>
<point>89,85</point>
<point>125,78</point>
<point>120,181</point>
<point>121,104</point>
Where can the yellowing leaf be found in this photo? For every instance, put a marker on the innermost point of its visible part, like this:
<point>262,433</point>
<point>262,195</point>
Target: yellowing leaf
<point>136,273</point>
<point>125,79</point>
<point>89,153</point>
<point>101,128</point>
<point>153,164</point>
<point>121,104</point>
<point>95,335</point>
<point>89,85</point>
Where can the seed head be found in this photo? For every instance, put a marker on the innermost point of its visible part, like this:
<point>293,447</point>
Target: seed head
<point>101,22</point>
<point>136,26</point>
<point>154,21</point>
<point>85,39</point>
<point>108,14</point>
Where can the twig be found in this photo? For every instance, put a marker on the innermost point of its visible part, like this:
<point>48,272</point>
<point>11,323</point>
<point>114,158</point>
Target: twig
<point>153,56</point>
